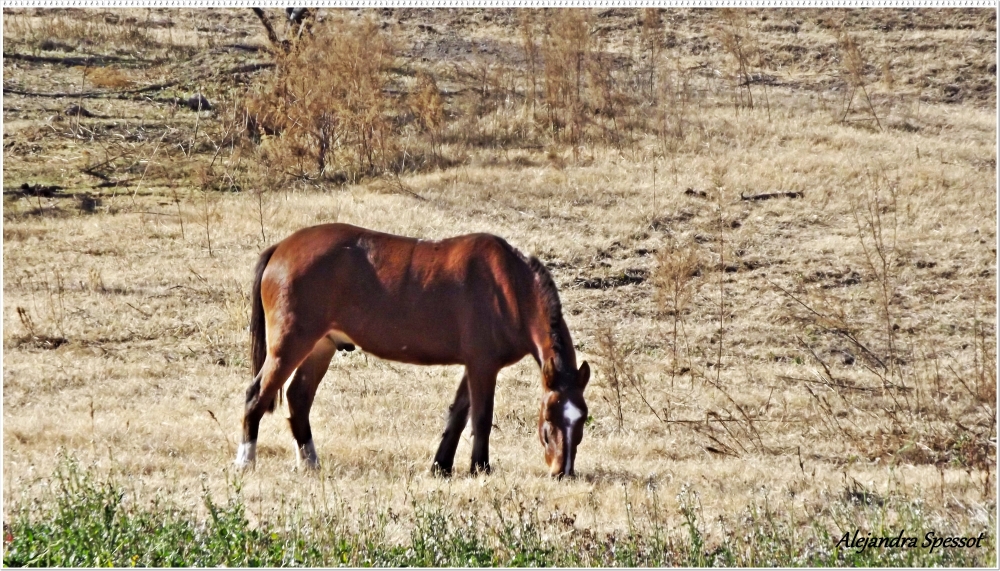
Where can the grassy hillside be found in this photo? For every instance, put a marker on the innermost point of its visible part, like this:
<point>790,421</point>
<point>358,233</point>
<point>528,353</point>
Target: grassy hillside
<point>774,234</point>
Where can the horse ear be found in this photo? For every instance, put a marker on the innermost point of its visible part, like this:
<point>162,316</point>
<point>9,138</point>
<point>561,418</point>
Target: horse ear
<point>584,375</point>
<point>548,372</point>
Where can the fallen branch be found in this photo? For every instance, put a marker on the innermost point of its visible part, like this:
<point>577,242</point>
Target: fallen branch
<point>34,190</point>
<point>271,36</point>
<point>128,92</point>
<point>397,186</point>
<point>92,94</point>
<point>72,61</point>
<point>238,47</point>
<point>144,314</point>
<point>703,421</point>
<point>151,213</point>
<point>837,385</point>
<point>770,195</point>
<point>113,183</point>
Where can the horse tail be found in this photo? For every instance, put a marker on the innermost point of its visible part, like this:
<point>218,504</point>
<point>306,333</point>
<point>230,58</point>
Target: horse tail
<point>258,326</point>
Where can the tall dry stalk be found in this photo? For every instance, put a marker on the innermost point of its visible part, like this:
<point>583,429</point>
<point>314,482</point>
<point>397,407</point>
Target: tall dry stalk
<point>854,68</point>
<point>651,38</point>
<point>677,266</point>
<point>718,179</point>
<point>614,372</point>
<point>875,217</point>
<point>743,47</point>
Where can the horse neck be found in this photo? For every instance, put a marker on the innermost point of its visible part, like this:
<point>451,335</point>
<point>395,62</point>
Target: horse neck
<point>555,342</point>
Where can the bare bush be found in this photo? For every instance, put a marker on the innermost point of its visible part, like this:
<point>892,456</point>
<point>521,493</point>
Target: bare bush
<point>739,41</point>
<point>566,51</point>
<point>428,107</point>
<point>326,105</point>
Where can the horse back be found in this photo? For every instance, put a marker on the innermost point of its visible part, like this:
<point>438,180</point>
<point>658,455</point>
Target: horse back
<point>427,302</point>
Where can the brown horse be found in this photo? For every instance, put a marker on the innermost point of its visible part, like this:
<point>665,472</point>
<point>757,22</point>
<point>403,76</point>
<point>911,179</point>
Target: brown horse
<point>470,300</point>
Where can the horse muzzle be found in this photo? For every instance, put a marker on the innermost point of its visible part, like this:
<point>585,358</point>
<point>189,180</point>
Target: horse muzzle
<point>564,467</point>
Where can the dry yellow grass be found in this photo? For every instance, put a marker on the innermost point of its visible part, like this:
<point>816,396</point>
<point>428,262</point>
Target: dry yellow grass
<point>125,339</point>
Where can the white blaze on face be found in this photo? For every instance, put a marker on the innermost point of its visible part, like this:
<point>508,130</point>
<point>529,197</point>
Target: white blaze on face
<point>572,415</point>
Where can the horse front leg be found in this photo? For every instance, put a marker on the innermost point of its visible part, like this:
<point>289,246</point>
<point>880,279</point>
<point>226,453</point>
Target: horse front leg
<point>482,388</point>
<point>458,417</point>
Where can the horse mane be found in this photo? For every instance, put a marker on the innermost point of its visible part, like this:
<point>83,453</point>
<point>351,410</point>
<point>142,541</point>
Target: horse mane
<point>546,288</point>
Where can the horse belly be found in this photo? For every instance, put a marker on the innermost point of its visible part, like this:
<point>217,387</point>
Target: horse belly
<point>395,344</point>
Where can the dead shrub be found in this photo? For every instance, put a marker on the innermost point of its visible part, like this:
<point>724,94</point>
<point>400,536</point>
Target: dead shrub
<point>108,77</point>
<point>428,108</point>
<point>620,373</point>
<point>671,115</point>
<point>326,105</point>
<point>528,24</point>
<point>590,93</point>
<point>566,52</point>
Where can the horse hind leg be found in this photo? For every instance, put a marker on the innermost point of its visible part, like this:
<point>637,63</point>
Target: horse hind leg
<point>246,455</point>
<point>277,368</point>
<point>458,417</point>
<point>300,394</point>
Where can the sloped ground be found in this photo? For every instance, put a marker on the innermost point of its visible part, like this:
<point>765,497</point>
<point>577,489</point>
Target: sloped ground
<point>835,341</point>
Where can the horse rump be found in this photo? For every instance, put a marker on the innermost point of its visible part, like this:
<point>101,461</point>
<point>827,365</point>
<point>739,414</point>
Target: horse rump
<point>258,330</point>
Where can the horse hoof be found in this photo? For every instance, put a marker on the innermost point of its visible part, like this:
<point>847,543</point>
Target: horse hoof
<point>246,456</point>
<point>307,458</point>
<point>440,471</point>
<point>244,465</point>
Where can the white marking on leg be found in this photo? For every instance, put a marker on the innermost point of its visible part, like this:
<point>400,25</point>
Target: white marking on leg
<point>284,393</point>
<point>246,456</point>
<point>306,455</point>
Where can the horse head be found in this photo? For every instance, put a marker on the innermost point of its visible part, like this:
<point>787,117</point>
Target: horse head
<point>563,414</point>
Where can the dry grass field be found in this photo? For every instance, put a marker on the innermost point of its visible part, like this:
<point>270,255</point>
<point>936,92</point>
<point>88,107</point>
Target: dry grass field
<point>822,357</point>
